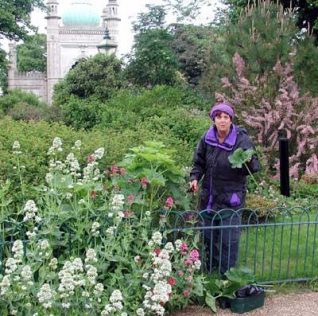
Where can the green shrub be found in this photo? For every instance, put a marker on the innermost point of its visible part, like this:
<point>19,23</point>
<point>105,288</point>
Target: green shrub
<point>26,112</point>
<point>185,125</point>
<point>36,137</point>
<point>17,96</point>
<point>80,113</point>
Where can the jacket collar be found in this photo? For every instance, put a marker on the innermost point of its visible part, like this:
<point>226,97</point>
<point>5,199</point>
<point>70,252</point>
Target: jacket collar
<point>229,141</point>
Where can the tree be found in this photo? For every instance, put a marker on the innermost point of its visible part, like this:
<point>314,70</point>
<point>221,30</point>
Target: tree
<point>153,19</point>
<point>152,61</point>
<point>191,44</point>
<point>96,77</point>
<point>31,55</point>
<point>261,36</point>
<point>307,11</point>
<point>185,10</point>
<point>15,22</point>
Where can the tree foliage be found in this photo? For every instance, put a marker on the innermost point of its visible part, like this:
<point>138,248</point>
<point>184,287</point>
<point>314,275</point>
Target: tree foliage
<point>153,19</point>
<point>191,44</point>
<point>96,77</point>
<point>185,10</point>
<point>306,10</point>
<point>152,61</point>
<point>31,55</point>
<point>262,35</point>
<point>15,22</point>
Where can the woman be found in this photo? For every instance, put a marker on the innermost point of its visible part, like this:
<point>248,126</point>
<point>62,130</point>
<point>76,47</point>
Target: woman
<point>223,187</point>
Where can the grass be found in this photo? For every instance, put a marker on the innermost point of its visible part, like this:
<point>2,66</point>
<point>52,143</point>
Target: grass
<point>286,249</point>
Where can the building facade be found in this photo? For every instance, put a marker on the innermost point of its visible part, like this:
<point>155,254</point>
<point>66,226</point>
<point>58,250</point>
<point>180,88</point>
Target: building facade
<point>74,35</point>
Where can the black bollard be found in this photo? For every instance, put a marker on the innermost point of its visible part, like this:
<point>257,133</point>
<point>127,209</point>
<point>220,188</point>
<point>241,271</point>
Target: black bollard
<point>284,162</point>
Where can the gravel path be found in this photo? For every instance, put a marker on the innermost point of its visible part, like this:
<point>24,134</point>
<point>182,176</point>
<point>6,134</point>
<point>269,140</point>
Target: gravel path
<point>299,304</point>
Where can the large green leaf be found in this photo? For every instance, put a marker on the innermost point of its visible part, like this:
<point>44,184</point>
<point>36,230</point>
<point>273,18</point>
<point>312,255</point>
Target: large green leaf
<point>240,157</point>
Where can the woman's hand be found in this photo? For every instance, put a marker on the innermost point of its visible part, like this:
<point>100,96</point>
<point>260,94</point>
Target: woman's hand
<point>194,187</point>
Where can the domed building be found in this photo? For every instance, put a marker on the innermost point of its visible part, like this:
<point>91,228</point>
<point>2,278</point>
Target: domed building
<point>76,34</point>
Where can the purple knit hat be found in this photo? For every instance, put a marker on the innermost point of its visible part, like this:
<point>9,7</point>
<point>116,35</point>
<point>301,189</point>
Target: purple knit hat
<point>222,107</point>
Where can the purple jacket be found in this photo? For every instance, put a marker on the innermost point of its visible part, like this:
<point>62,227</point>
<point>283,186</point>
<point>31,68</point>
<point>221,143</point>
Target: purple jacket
<point>222,186</point>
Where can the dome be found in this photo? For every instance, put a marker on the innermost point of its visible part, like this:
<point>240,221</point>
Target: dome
<point>81,13</point>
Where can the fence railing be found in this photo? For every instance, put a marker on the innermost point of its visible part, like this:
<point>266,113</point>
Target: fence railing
<point>277,245</point>
<point>280,246</point>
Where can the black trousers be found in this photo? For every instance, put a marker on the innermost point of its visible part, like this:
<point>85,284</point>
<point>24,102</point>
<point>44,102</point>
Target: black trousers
<point>221,243</point>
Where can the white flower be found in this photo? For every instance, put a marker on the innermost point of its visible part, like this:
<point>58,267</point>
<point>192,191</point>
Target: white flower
<point>17,249</point>
<point>85,294</point>
<point>30,210</point>
<point>26,273</point>
<point>43,244</point>
<point>78,144</point>
<point>90,255</point>
<point>147,213</point>
<point>118,305</point>
<point>91,274</point>
<point>11,266</point>
<point>66,305</point>
<point>46,295</point>
<point>169,247</point>
<point>178,243</point>
<point>53,264</point>
<point>157,238</point>
<point>49,178</point>
<point>140,312</point>
<point>16,145</point>
<point>98,289</point>
<point>117,202</point>
<point>99,153</point>
<point>197,264</point>
<point>116,296</point>
<point>95,229</point>
<point>5,284</point>
<point>111,230</point>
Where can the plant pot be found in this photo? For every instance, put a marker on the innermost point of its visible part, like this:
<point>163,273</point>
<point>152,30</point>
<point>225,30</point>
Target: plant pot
<point>242,305</point>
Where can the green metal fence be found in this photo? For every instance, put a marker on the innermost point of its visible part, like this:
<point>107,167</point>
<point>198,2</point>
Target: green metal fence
<point>278,245</point>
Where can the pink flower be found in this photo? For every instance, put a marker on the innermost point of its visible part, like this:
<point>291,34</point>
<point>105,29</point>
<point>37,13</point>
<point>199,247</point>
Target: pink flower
<point>172,281</point>
<point>130,199</point>
<point>128,213</point>
<point>144,182</point>
<point>93,194</point>
<point>186,292</point>
<point>188,262</point>
<point>189,278</point>
<point>180,273</point>
<point>183,248</point>
<point>91,158</point>
<point>122,171</point>
<point>157,251</point>
<point>194,255</point>
<point>114,169</point>
<point>169,202</point>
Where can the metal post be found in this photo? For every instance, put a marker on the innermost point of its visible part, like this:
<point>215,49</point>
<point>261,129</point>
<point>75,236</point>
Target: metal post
<point>284,162</point>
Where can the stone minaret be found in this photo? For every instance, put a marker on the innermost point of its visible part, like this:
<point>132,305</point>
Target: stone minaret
<point>12,64</point>
<point>53,48</point>
<point>111,19</point>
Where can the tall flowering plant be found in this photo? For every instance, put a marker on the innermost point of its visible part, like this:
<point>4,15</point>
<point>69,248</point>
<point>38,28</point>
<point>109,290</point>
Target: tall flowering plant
<point>89,245</point>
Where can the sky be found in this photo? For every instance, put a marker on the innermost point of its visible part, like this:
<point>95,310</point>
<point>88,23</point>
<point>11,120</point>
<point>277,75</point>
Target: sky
<point>128,11</point>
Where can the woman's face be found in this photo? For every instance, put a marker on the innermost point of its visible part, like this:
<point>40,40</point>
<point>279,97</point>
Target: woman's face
<point>222,122</point>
